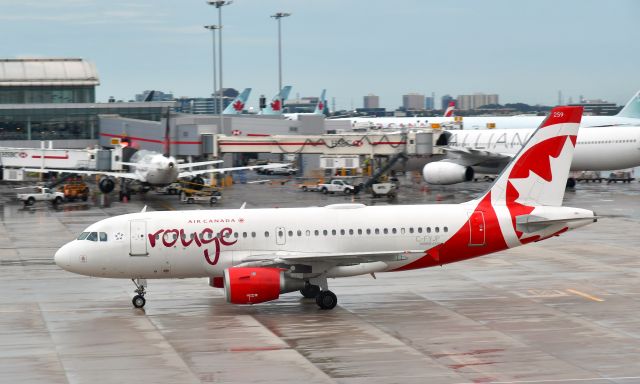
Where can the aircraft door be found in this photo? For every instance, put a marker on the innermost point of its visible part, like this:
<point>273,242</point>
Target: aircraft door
<point>476,229</point>
<point>138,238</point>
<point>281,236</point>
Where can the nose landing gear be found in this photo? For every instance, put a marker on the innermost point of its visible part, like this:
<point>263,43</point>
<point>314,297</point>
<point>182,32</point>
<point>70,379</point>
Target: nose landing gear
<point>138,300</point>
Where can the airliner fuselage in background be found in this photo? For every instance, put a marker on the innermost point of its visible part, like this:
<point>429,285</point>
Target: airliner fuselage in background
<point>256,254</point>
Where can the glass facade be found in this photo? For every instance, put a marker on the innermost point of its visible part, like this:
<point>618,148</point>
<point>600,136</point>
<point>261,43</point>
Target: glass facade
<point>37,122</point>
<point>47,94</point>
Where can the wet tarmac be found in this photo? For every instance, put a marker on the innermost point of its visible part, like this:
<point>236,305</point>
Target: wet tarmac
<point>561,311</point>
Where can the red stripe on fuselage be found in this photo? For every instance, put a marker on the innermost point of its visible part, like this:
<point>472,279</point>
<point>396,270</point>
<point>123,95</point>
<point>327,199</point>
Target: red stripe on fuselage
<point>457,248</point>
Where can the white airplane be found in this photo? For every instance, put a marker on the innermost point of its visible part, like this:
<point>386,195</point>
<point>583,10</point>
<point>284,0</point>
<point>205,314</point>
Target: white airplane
<point>257,254</point>
<point>490,150</point>
<point>630,114</point>
<point>152,169</point>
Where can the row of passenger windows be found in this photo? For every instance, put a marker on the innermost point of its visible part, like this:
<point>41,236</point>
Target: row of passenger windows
<point>315,232</point>
<point>607,141</point>
<point>93,236</point>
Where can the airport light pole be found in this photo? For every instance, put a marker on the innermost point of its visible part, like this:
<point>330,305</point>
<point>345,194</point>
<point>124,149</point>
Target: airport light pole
<point>278,16</point>
<point>215,72</point>
<point>219,4</point>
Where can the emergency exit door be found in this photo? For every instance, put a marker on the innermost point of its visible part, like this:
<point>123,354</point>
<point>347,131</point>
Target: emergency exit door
<point>476,229</point>
<point>281,236</point>
<point>138,238</point>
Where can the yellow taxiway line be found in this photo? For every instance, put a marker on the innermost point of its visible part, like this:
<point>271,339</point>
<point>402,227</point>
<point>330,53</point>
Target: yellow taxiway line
<point>585,295</point>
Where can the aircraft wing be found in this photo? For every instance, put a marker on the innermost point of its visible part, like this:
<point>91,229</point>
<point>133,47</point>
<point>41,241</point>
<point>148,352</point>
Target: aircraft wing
<point>230,169</point>
<point>471,156</point>
<point>342,258</point>
<point>126,175</point>
<point>198,164</point>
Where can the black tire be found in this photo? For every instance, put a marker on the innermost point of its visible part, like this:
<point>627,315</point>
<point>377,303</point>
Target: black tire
<point>30,201</point>
<point>85,197</point>
<point>190,200</point>
<point>57,200</point>
<point>304,188</point>
<point>347,191</point>
<point>325,190</point>
<point>213,201</point>
<point>571,182</point>
<point>310,291</point>
<point>138,301</point>
<point>326,300</point>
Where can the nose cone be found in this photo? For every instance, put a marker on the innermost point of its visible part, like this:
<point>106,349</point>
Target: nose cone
<point>62,257</point>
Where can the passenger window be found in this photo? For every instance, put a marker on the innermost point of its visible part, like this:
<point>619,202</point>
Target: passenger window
<point>175,236</point>
<point>377,231</point>
<point>445,229</point>
<point>236,235</point>
<point>290,233</point>
<point>394,231</point>
<point>333,232</point>
<point>351,231</point>
<point>325,232</point>
<point>419,229</point>
<point>266,233</point>
<point>368,231</point>
<point>428,229</point>
<point>410,229</point>
<point>299,232</point>
<point>359,231</point>
<point>280,234</point>
<point>83,235</point>
<point>437,229</point>
<point>316,232</point>
<point>385,230</point>
<point>308,233</point>
<point>402,231</point>
<point>103,236</point>
<point>342,232</point>
<point>244,234</point>
<point>93,236</point>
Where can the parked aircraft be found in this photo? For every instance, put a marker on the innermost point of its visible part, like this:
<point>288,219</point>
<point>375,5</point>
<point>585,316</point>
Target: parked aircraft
<point>318,111</point>
<point>257,254</point>
<point>450,109</point>
<point>276,104</point>
<point>630,114</point>
<point>490,150</point>
<point>237,105</point>
<point>152,169</point>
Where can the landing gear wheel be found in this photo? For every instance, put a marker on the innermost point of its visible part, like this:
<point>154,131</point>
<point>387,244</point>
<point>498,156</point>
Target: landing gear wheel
<point>326,300</point>
<point>138,301</point>
<point>310,291</point>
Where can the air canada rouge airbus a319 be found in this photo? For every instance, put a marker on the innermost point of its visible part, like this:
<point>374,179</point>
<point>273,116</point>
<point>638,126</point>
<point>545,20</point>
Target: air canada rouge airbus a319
<point>257,254</point>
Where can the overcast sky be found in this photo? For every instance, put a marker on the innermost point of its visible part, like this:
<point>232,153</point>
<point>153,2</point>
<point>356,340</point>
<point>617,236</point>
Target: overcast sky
<point>522,50</point>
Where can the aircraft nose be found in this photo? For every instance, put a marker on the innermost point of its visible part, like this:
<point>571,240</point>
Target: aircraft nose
<point>62,257</point>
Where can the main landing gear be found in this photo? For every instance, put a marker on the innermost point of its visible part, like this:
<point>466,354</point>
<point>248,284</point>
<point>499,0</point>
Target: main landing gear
<point>325,299</point>
<point>138,300</point>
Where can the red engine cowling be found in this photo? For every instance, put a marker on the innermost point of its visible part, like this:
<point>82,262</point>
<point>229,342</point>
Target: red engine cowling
<point>257,285</point>
<point>216,282</point>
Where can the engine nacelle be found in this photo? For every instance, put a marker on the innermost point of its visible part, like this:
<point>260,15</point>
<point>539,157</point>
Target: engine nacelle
<point>444,173</point>
<point>106,184</point>
<point>257,285</point>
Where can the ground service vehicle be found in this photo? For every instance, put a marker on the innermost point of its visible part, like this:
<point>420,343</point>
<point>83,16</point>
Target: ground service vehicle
<point>75,190</point>
<point>334,186</point>
<point>41,194</point>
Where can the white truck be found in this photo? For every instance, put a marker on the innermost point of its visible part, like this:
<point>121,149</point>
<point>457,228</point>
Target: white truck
<point>337,186</point>
<point>41,194</point>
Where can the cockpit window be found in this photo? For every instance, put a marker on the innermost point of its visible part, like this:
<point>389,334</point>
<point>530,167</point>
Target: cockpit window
<point>103,236</point>
<point>93,236</point>
<point>83,235</point>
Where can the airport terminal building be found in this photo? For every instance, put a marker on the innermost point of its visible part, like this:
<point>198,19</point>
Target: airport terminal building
<point>53,99</point>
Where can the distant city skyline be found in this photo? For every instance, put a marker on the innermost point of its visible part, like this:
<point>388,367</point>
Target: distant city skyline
<point>524,51</point>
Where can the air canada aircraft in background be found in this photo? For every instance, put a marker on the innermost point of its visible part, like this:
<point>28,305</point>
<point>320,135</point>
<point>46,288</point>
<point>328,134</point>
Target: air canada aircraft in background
<point>629,115</point>
<point>257,254</point>
<point>489,150</point>
<point>318,111</point>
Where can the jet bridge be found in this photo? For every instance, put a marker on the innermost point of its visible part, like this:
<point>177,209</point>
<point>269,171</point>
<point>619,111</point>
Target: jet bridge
<point>368,144</point>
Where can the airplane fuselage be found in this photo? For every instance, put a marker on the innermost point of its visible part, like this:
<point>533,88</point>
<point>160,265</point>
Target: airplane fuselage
<point>597,149</point>
<point>204,243</point>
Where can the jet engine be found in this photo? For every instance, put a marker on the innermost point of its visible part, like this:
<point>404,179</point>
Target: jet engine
<point>106,184</point>
<point>257,285</point>
<point>444,173</point>
<point>197,183</point>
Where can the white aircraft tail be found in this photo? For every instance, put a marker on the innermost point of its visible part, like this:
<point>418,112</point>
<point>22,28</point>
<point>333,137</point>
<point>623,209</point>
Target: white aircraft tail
<point>537,175</point>
<point>632,108</point>
<point>321,104</point>
<point>275,107</point>
<point>237,105</point>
